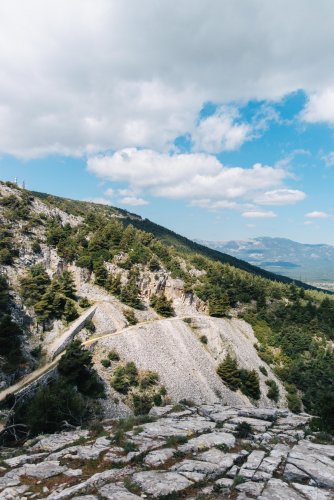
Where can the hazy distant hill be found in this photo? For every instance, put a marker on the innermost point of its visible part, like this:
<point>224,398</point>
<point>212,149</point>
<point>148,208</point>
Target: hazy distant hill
<point>283,256</point>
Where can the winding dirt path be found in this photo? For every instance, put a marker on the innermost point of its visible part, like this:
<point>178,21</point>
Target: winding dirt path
<point>39,372</point>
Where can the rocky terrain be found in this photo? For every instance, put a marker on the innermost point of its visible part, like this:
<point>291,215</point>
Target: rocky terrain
<point>193,452</point>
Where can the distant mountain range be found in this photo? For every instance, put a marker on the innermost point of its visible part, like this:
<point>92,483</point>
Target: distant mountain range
<point>310,263</point>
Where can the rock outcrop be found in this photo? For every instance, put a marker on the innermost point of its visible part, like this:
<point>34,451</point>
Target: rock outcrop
<point>187,452</point>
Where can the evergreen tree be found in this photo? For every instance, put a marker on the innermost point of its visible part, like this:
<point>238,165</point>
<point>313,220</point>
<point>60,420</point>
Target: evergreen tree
<point>229,373</point>
<point>218,305</point>
<point>70,312</point>
<point>101,273</point>
<point>162,305</point>
<point>250,384</point>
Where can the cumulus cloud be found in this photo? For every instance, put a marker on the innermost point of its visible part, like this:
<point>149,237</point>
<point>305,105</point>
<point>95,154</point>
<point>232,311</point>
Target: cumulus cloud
<point>87,76</point>
<point>317,215</point>
<point>134,201</point>
<point>320,107</point>
<point>220,132</point>
<point>281,197</point>
<point>259,214</point>
<point>195,177</point>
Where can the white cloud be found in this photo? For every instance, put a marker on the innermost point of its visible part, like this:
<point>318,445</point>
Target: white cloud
<point>259,214</point>
<point>133,201</point>
<point>197,178</point>
<point>109,192</point>
<point>320,107</point>
<point>86,76</point>
<point>281,197</point>
<point>317,215</point>
<point>99,200</point>
<point>220,132</point>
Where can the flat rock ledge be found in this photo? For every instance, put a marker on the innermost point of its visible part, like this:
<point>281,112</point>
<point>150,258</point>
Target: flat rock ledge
<point>188,452</point>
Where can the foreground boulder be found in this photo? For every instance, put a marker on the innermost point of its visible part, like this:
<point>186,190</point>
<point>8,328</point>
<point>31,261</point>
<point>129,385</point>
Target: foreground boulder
<point>178,452</point>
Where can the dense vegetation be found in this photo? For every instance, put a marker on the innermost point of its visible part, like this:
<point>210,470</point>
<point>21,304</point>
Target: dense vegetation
<point>239,378</point>
<point>10,333</point>
<point>68,400</point>
<point>141,387</point>
<point>51,298</point>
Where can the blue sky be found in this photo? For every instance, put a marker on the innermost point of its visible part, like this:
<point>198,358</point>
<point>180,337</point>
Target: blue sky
<point>200,125</point>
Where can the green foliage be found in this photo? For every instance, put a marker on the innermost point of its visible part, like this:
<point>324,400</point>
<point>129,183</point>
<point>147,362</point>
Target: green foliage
<point>101,273</point>
<point>273,392</point>
<point>243,430</point>
<point>70,311</point>
<point>235,378</point>
<point>113,355</point>
<point>51,299</point>
<point>162,305</point>
<point>294,402</point>
<point>203,339</point>
<point>141,388</point>
<point>263,370</point>
<point>7,247</point>
<point>229,372</point>
<point>36,247</point>
<point>130,316</point>
<point>106,363</point>
<point>76,367</point>
<point>130,292</point>
<point>10,333</point>
<point>84,303</point>
<point>249,383</point>
<point>125,377</point>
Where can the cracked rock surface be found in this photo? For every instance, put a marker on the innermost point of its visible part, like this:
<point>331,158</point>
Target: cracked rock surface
<point>186,452</point>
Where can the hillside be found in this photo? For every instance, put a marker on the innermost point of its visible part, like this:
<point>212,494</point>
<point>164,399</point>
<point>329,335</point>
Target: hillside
<point>158,319</point>
<point>311,263</point>
<point>182,244</point>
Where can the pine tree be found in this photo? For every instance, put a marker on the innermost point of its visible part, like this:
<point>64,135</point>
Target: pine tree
<point>70,312</point>
<point>100,272</point>
<point>229,373</point>
<point>162,305</point>
<point>250,384</point>
<point>218,305</point>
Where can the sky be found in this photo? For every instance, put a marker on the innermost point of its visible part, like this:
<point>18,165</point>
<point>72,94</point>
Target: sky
<point>214,118</point>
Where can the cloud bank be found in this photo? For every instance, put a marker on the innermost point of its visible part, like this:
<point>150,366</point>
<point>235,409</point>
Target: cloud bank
<point>84,76</point>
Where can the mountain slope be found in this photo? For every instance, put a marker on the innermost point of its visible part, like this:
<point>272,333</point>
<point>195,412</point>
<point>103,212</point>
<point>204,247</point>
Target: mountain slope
<point>168,237</point>
<point>169,321</point>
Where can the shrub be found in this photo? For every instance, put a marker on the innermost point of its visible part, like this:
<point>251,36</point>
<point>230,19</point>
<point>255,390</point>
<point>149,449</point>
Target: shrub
<point>263,370</point>
<point>162,305</point>
<point>125,377</point>
<point>273,392</point>
<point>130,316</point>
<point>243,430</point>
<point>105,362</point>
<point>113,355</point>
<point>147,379</point>
<point>84,303</point>
<point>89,325</point>
<point>203,339</point>
<point>36,247</point>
